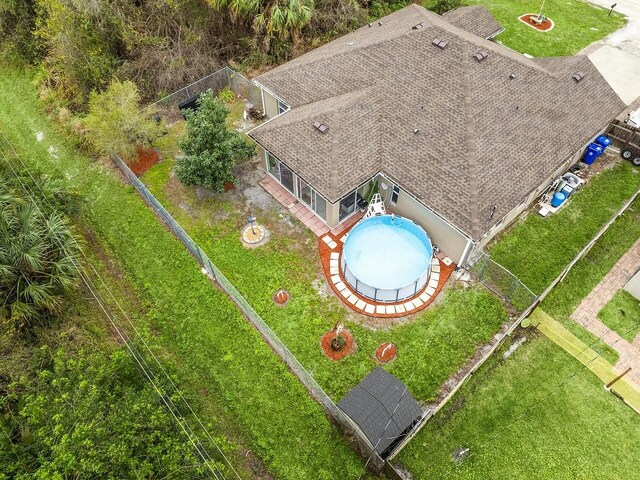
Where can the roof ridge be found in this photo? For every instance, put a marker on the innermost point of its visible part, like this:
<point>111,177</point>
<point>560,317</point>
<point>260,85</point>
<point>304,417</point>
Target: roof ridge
<point>472,151</point>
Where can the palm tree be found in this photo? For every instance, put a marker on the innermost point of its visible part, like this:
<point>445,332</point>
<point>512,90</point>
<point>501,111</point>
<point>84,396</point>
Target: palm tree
<point>39,257</point>
<point>282,19</point>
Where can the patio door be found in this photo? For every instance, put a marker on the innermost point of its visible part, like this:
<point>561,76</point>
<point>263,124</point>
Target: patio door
<point>286,178</point>
<point>304,192</point>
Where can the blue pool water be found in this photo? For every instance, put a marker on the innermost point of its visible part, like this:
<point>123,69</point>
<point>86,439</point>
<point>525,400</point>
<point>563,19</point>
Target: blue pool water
<point>387,252</point>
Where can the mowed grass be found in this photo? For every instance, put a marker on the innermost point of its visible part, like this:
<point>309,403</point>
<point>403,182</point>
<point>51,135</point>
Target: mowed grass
<point>588,272</point>
<point>537,414</point>
<point>577,25</point>
<point>242,387</point>
<point>622,315</point>
<point>431,347</point>
<point>538,248</point>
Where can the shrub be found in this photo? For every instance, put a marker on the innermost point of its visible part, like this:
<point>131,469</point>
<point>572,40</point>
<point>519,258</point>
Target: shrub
<point>115,123</point>
<point>226,95</point>
<point>210,148</point>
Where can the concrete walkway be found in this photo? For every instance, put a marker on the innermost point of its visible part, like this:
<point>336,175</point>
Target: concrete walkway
<point>587,311</point>
<point>617,56</point>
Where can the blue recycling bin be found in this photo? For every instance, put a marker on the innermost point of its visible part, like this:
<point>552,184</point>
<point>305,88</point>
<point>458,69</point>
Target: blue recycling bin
<point>603,141</point>
<point>592,153</point>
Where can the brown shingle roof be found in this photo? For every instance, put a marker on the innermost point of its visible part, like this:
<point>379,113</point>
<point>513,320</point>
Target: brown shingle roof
<point>484,139</point>
<point>475,19</point>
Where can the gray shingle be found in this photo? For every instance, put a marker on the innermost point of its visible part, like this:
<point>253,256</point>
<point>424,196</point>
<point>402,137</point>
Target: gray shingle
<point>475,19</point>
<point>484,139</point>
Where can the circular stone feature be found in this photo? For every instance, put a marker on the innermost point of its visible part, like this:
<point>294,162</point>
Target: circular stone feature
<point>281,297</point>
<point>387,258</point>
<point>386,352</point>
<point>327,342</point>
<point>253,235</point>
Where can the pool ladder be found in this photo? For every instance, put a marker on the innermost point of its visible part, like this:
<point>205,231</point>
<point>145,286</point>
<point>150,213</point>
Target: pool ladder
<point>376,207</point>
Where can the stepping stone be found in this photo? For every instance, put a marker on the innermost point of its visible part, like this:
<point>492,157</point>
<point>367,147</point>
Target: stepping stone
<point>332,245</point>
<point>381,309</point>
<point>391,310</point>
<point>335,256</point>
<point>435,268</point>
<point>327,239</point>
<point>333,263</point>
<point>435,276</point>
<point>369,309</point>
<point>341,286</point>
<point>344,238</point>
<point>335,278</point>
<point>425,297</point>
<point>361,304</point>
<point>447,261</point>
<point>417,302</point>
<point>408,306</point>
<point>400,309</point>
<point>353,299</point>
<point>430,291</point>
<point>334,270</point>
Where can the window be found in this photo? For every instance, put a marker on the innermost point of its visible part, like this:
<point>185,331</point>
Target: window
<point>272,166</point>
<point>319,205</point>
<point>282,107</point>
<point>347,205</point>
<point>394,194</point>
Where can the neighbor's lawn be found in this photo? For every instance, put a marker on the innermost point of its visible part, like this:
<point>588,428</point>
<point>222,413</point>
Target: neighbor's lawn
<point>537,249</point>
<point>588,272</point>
<point>577,25</point>
<point>245,392</point>
<point>430,348</point>
<point>622,315</point>
<point>579,431</point>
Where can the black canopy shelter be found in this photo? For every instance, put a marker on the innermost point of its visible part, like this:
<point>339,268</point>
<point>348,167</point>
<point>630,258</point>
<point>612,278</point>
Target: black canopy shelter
<point>371,404</point>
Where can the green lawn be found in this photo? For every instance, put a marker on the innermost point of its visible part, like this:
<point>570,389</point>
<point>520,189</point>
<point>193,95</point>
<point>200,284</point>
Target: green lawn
<point>579,431</point>
<point>588,272</point>
<point>622,315</point>
<point>577,25</point>
<point>244,390</point>
<point>538,248</point>
<point>431,347</point>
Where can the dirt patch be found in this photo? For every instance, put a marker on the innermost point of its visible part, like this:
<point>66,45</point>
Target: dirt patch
<point>531,19</point>
<point>348,347</point>
<point>145,159</point>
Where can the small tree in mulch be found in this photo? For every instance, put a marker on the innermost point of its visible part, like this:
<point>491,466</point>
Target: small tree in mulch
<point>210,148</point>
<point>339,341</point>
<point>116,124</point>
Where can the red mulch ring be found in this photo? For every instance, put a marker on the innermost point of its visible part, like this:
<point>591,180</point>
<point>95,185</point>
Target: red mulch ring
<point>281,297</point>
<point>349,346</point>
<point>228,186</point>
<point>531,19</point>
<point>145,159</point>
<point>386,352</point>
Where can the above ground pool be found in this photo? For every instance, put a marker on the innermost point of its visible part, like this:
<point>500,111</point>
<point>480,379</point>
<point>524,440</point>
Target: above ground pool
<point>387,258</point>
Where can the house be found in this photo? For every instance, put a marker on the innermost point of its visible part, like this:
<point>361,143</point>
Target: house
<point>457,132</point>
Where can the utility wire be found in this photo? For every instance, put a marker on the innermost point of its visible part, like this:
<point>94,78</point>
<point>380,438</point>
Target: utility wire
<point>137,357</point>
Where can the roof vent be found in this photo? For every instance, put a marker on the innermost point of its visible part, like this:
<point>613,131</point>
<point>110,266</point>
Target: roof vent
<point>577,76</point>
<point>511,76</point>
<point>380,23</point>
<point>418,26</point>
<point>416,131</point>
<point>481,55</point>
<point>370,25</point>
<point>439,43</point>
<point>321,127</point>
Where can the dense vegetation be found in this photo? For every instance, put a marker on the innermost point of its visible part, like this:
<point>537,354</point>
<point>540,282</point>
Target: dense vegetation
<point>64,412</point>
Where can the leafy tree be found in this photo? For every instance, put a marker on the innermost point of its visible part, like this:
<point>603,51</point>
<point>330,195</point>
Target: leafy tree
<point>280,19</point>
<point>210,148</point>
<point>39,255</point>
<point>443,6</point>
<point>115,122</point>
<point>93,417</point>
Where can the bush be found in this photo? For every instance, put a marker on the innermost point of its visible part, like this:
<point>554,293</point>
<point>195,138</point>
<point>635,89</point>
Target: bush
<point>115,123</point>
<point>443,6</point>
<point>210,148</point>
<point>226,95</point>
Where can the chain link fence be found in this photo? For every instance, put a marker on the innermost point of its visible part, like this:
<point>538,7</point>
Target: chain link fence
<point>500,280</point>
<point>316,391</point>
<point>216,82</point>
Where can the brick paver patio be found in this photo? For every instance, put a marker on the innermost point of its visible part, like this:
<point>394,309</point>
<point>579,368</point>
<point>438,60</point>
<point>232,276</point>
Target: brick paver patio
<point>587,313</point>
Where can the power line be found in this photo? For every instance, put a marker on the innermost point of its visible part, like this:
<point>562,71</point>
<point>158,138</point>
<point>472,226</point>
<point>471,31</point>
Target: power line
<point>124,337</point>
